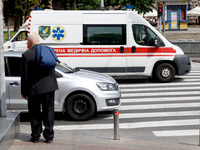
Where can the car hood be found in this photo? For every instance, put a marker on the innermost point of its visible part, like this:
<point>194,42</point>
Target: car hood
<point>86,74</point>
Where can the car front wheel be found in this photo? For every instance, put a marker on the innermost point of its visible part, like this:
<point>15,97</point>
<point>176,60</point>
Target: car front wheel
<point>80,107</point>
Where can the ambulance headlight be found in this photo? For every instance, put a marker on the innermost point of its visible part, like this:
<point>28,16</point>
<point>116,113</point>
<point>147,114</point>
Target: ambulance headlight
<point>107,86</point>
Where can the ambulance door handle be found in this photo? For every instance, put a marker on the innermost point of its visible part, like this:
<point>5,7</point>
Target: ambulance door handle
<point>14,83</point>
<point>121,49</point>
<point>133,49</point>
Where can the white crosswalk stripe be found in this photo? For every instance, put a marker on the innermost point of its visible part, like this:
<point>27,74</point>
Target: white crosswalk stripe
<point>159,99</point>
<point>164,96</point>
<point>160,94</point>
<point>131,125</point>
<point>170,133</point>
<point>159,107</point>
<point>158,114</point>
<point>160,89</point>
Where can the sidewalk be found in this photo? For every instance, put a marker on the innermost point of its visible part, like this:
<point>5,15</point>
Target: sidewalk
<point>190,34</point>
<point>101,140</point>
<point>189,30</point>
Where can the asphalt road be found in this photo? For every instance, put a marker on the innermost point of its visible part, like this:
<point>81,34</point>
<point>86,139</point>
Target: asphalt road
<point>155,111</point>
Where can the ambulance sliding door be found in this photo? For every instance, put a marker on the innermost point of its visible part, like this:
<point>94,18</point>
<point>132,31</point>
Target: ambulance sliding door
<point>105,44</point>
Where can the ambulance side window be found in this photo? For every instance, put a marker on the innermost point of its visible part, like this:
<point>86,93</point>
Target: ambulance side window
<point>104,34</point>
<point>151,37</point>
<point>21,36</point>
<point>143,35</point>
<point>139,34</point>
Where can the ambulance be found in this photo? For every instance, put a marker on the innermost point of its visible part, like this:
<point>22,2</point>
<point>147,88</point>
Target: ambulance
<point>118,43</point>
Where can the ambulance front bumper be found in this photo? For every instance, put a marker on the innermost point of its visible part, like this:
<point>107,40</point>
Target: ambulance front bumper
<point>183,63</point>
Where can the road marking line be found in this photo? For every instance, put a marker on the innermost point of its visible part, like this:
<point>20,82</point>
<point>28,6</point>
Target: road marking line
<point>157,114</point>
<point>176,133</point>
<point>159,99</point>
<point>191,80</point>
<point>160,89</point>
<point>137,125</point>
<point>161,94</point>
<point>159,106</point>
<point>158,84</point>
<point>192,76</point>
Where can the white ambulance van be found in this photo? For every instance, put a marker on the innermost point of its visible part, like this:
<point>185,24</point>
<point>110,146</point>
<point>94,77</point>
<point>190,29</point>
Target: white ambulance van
<point>118,43</point>
<point>19,41</point>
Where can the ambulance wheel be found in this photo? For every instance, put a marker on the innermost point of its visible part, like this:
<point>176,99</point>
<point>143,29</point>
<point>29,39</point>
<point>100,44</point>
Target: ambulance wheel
<point>165,72</point>
<point>80,107</point>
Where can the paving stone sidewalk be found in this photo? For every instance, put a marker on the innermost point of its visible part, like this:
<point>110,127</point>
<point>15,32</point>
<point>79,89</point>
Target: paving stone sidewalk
<point>99,140</point>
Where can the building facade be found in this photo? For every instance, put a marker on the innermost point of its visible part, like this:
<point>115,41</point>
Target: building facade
<point>175,14</point>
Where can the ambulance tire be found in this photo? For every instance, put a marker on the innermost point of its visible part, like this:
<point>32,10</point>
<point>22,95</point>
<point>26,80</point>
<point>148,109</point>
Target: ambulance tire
<point>165,72</point>
<point>80,107</point>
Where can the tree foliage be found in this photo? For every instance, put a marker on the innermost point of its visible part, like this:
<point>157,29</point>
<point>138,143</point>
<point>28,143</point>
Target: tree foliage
<point>80,4</point>
<point>20,9</point>
<point>139,5</point>
<point>144,6</point>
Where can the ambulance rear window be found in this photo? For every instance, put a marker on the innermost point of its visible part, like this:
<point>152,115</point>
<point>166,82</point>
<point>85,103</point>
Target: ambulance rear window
<point>104,34</point>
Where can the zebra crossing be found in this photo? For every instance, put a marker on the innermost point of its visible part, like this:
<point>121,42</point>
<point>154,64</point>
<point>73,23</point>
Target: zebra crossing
<point>166,109</point>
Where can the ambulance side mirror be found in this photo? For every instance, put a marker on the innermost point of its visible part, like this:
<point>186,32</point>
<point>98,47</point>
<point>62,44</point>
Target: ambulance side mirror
<point>158,42</point>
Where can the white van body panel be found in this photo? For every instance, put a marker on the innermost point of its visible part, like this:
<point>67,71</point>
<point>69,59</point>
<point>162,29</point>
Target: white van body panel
<point>68,32</point>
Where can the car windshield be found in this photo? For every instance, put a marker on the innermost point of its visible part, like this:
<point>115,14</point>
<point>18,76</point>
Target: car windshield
<point>64,68</point>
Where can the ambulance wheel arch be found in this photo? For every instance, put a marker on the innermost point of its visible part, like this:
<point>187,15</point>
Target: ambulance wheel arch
<point>164,71</point>
<point>80,106</point>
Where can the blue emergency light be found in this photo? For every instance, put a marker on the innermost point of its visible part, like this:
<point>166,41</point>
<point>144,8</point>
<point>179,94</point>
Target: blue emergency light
<point>129,7</point>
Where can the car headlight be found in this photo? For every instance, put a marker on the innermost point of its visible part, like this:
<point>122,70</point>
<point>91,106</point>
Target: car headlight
<point>107,86</point>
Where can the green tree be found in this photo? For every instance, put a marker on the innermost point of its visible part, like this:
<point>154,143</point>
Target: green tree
<point>19,9</point>
<point>88,4</point>
<point>22,8</point>
<point>80,4</point>
<point>26,6</point>
<point>144,5</point>
<point>45,4</point>
<point>139,5</point>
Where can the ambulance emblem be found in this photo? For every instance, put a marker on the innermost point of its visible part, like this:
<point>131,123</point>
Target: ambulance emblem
<point>58,33</point>
<point>44,32</point>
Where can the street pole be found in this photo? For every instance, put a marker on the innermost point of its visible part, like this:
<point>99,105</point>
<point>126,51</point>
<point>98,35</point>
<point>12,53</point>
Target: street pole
<point>160,22</point>
<point>143,8</point>
<point>101,4</point>
<point>199,133</point>
<point>116,123</point>
<point>8,32</point>
<point>164,20</point>
<point>3,112</point>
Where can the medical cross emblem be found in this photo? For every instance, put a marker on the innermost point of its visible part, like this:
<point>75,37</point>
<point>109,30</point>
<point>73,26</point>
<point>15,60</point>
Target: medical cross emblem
<point>58,33</point>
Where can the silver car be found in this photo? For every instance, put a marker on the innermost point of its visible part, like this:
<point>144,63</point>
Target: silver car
<point>81,93</point>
